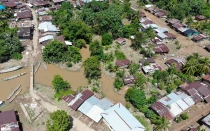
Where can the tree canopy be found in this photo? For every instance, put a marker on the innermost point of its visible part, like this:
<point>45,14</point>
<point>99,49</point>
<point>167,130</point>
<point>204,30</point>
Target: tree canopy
<point>59,84</point>
<point>92,68</point>
<point>96,49</point>
<point>107,39</point>
<point>59,121</point>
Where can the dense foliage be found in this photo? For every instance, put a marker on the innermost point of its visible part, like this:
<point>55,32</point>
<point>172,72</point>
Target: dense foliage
<point>92,68</point>
<point>106,39</point>
<point>10,46</point>
<point>182,8</point>
<point>59,84</point>
<point>56,52</point>
<point>59,121</point>
<point>96,49</point>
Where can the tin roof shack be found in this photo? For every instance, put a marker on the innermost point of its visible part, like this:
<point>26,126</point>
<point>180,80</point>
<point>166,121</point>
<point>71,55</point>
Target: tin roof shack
<point>206,78</point>
<point>41,3</point>
<point>11,5</point>
<point>177,26</point>
<point>48,27</point>
<point>42,11</point>
<point>176,103</point>
<point>151,68</point>
<point>207,48</point>
<point>21,24</point>
<point>8,121</point>
<point>200,17</point>
<point>120,41</point>
<point>161,14</point>
<point>146,61</point>
<point>45,18</point>
<point>172,21</point>
<point>190,33</point>
<point>25,33</point>
<point>206,120</point>
<point>93,107</point>
<point>24,15</point>
<point>118,118</point>
<point>161,49</point>
<point>170,36</point>
<point>199,37</point>
<point>178,62</point>
<point>58,1</point>
<point>129,80</point>
<point>123,63</point>
<point>75,101</point>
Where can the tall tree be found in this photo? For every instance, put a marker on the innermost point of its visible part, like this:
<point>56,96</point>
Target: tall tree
<point>59,121</point>
<point>59,84</point>
<point>164,125</point>
<point>140,38</point>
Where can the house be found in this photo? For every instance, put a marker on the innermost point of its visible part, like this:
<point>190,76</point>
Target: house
<point>146,60</point>
<point>118,118</point>
<point>190,33</point>
<point>178,25</point>
<point>174,103</point>
<point>25,33</point>
<point>46,39</point>
<point>161,30</point>
<point>48,27</point>
<point>172,21</point>
<point>199,37</point>
<point>45,18</point>
<point>8,121</point>
<point>42,11</point>
<point>75,101</point>
<point>151,68</point>
<point>200,17</point>
<point>93,107</point>
<point>21,24</point>
<point>57,7</point>
<point>206,120</point>
<point>120,41</point>
<point>58,1</point>
<point>24,15</point>
<point>10,5</point>
<point>129,80</point>
<point>41,3</point>
<point>161,48</point>
<point>178,62</point>
<point>206,78</point>
<point>182,29</point>
<point>122,63</point>
<point>161,14</point>
<point>207,48</point>
<point>170,36</point>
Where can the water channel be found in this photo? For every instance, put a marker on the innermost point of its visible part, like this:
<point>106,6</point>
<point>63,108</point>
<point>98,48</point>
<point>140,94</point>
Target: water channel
<point>44,77</point>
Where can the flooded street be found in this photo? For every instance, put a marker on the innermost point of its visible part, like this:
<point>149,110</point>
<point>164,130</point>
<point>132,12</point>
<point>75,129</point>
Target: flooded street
<point>45,76</point>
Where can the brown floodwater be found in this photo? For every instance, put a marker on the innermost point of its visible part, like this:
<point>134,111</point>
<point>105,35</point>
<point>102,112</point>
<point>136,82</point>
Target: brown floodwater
<point>45,76</point>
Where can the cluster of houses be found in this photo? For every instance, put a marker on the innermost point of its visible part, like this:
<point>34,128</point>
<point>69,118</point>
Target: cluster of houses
<point>177,25</point>
<point>116,117</point>
<point>190,94</point>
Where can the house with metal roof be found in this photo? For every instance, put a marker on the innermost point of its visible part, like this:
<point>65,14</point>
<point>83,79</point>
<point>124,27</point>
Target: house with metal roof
<point>206,120</point>
<point>48,27</point>
<point>93,107</point>
<point>118,118</point>
<point>8,121</point>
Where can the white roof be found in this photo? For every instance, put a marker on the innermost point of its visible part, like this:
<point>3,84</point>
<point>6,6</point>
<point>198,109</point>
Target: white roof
<point>161,35</point>
<point>120,119</point>
<point>161,30</point>
<point>47,26</point>
<point>169,99</point>
<point>189,101</point>
<point>68,43</point>
<point>148,6</point>
<point>182,29</point>
<point>182,104</point>
<point>93,107</point>
<point>45,38</point>
<point>154,26</point>
<point>175,109</point>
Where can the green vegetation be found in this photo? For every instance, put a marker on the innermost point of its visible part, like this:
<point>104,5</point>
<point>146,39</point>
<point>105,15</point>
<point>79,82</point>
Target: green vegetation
<point>56,52</point>
<point>182,9</point>
<point>10,46</point>
<point>59,84</point>
<point>92,68</point>
<point>184,116</point>
<point>119,55</point>
<point>69,64</point>
<point>79,43</point>
<point>144,122</point>
<point>140,80</point>
<point>62,93</point>
<point>95,89</point>
<point>107,39</point>
<point>108,57</point>
<point>118,83</point>
<point>140,38</point>
<point>133,68</point>
<point>96,50</point>
<point>59,121</point>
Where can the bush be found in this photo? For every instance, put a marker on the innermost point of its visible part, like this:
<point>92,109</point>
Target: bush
<point>17,56</point>
<point>95,89</point>
<point>178,119</point>
<point>69,64</point>
<point>60,94</point>
<point>106,39</point>
<point>118,83</point>
<point>184,116</point>
<point>119,55</point>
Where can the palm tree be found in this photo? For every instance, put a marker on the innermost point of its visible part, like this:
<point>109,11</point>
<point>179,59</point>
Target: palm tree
<point>149,51</point>
<point>164,125</point>
<point>203,66</point>
<point>191,66</point>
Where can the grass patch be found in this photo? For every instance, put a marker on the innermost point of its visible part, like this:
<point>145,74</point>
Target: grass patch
<point>143,122</point>
<point>119,55</point>
<point>60,94</point>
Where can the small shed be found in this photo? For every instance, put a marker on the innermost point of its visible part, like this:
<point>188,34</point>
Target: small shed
<point>129,80</point>
<point>190,33</point>
<point>146,60</point>
<point>123,63</point>
<point>200,17</point>
<point>120,41</point>
<point>161,48</point>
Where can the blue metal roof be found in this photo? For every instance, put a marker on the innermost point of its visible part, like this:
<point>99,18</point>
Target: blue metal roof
<point>2,7</point>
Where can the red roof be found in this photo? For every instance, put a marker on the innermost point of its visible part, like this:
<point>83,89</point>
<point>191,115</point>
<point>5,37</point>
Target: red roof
<point>121,63</point>
<point>10,4</point>
<point>162,110</point>
<point>207,99</point>
<point>41,3</point>
<point>69,98</point>
<point>161,48</point>
<point>45,18</point>
<point>208,47</point>
<point>200,17</point>
<point>170,35</point>
<point>24,14</point>
<point>80,98</point>
<point>197,98</point>
<point>8,118</point>
<point>129,80</point>
<point>172,61</point>
<point>195,85</point>
<point>206,78</point>
<point>204,91</point>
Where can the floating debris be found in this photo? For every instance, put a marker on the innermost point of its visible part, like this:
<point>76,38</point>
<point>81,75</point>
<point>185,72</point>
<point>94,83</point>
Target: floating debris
<point>15,96</point>
<point>13,92</point>
<point>37,67</point>
<point>15,76</point>
<point>11,69</point>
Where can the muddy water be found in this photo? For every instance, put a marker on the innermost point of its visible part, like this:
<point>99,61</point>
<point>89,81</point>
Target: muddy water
<point>6,87</point>
<point>44,77</point>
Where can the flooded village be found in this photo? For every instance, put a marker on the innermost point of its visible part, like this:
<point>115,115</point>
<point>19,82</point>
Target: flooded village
<point>103,65</point>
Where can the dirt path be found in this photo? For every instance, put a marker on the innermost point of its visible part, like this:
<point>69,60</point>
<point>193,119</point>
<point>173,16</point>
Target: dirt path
<point>195,113</point>
<point>188,46</point>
